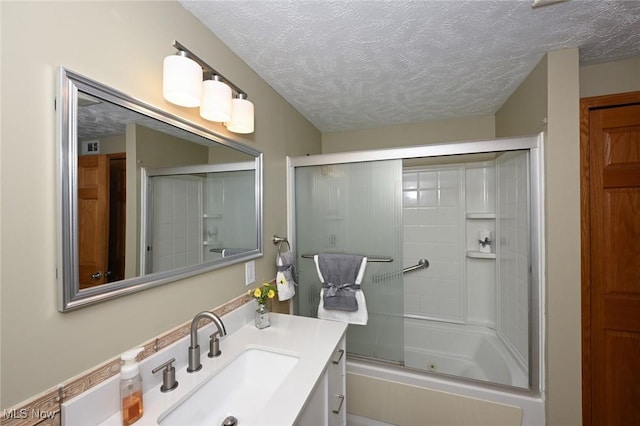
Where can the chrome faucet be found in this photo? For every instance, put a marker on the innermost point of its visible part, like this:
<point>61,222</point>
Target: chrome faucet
<point>194,349</point>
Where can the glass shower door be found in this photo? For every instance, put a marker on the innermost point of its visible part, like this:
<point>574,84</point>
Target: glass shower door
<point>355,208</point>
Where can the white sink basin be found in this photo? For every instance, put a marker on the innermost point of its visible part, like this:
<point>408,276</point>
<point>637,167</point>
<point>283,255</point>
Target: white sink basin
<point>241,389</point>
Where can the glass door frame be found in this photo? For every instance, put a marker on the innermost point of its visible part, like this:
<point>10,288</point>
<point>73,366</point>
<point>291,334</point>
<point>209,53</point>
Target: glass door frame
<point>535,145</point>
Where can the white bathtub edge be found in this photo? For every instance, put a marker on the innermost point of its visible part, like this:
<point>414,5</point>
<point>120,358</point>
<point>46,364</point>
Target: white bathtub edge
<point>533,410</point>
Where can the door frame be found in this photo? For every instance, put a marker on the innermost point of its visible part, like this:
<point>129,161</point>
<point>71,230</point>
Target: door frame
<point>586,105</point>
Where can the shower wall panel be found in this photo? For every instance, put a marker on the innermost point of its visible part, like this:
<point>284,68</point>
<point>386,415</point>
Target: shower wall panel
<point>480,198</point>
<point>513,253</point>
<point>177,230</point>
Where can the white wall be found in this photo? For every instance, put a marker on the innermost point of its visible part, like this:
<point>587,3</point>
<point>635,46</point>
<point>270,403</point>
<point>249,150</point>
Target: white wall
<point>525,112</point>
<point>562,179</point>
<point>429,132</point>
<point>610,77</point>
<point>121,44</point>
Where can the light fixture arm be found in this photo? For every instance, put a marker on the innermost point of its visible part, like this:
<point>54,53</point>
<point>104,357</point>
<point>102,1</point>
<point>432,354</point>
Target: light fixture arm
<point>207,70</point>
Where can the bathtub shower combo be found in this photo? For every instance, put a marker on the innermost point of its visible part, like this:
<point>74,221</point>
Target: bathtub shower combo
<point>473,211</point>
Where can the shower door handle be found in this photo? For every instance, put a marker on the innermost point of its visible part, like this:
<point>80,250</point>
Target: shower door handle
<point>422,264</point>
<point>340,399</point>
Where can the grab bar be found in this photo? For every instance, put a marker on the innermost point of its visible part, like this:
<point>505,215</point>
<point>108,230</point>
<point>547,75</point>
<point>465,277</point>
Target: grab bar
<point>422,264</point>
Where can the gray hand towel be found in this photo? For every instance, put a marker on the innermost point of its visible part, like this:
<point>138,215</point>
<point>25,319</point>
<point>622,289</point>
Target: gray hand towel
<point>285,265</point>
<point>340,272</point>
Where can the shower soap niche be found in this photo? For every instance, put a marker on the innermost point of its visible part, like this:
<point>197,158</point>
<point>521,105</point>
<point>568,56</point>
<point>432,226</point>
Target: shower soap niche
<point>478,227</point>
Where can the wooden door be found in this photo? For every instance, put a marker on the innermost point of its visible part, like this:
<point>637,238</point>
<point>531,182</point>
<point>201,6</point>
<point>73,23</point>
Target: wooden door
<point>611,262</point>
<point>93,219</point>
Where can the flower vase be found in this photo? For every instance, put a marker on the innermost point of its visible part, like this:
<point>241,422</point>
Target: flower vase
<point>263,319</point>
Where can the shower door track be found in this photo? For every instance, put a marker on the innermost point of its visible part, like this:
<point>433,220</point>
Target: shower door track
<point>428,318</point>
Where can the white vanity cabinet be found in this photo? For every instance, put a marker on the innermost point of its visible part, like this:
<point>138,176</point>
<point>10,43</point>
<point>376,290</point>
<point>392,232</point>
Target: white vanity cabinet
<point>327,405</point>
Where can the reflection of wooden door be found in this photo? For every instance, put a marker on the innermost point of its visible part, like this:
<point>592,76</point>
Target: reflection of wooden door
<point>611,260</point>
<point>93,219</point>
<point>117,215</point>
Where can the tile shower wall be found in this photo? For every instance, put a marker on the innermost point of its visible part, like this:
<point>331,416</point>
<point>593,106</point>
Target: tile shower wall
<point>177,229</point>
<point>433,216</point>
<point>513,253</point>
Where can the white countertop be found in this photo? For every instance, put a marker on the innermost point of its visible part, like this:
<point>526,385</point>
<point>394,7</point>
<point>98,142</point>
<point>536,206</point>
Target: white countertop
<point>312,340</point>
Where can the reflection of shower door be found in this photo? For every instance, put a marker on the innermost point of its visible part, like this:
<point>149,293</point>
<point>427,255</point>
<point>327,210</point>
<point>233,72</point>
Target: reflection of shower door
<point>175,221</point>
<point>356,209</point>
<point>197,214</point>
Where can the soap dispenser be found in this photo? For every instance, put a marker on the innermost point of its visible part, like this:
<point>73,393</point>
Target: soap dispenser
<point>130,388</point>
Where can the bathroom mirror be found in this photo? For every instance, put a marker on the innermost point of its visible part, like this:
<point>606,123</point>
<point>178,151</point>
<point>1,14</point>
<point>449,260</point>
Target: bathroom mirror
<point>145,197</point>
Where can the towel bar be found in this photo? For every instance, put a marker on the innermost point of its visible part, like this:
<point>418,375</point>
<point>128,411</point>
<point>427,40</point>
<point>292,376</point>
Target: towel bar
<point>369,258</point>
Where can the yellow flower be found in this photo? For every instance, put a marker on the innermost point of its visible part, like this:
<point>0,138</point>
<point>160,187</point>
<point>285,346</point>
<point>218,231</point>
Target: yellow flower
<point>271,294</point>
<point>257,293</point>
<point>265,284</point>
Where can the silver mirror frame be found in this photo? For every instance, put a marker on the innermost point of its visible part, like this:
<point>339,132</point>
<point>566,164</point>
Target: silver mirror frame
<point>70,297</point>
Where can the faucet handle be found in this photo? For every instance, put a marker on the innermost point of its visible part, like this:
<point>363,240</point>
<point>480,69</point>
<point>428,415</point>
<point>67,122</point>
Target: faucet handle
<point>214,345</point>
<point>169,381</point>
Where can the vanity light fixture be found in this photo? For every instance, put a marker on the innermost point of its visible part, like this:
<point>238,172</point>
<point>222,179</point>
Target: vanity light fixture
<point>183,85</point>
<point>241,115</point>
<point>182,80</point>
<point>216,100</point>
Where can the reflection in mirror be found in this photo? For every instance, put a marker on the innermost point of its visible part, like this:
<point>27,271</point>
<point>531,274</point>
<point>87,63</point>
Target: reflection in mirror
<point>146,197</point>
<point>208,209</point>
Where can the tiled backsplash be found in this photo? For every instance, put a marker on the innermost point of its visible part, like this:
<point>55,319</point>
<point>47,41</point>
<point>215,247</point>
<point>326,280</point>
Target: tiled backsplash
<point>44,409</point>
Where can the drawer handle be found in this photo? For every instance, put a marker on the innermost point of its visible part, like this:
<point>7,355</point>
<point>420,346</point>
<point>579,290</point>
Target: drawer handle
<point>340,354</point>
<point>337,410</point>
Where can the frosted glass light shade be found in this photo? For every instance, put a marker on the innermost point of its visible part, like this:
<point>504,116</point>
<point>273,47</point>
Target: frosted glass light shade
<point>216,101</point>
<point>241,116</point>
<point>182,81</point>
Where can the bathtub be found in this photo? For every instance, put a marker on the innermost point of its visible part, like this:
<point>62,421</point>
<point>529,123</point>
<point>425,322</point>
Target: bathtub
<point>461,350</point>
<point>531,406</point>
<point>465,351</point>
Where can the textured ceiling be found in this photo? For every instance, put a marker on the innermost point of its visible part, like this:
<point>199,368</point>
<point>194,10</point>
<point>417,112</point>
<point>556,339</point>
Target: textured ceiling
<point>348,65</point>
<point>99,119</point>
